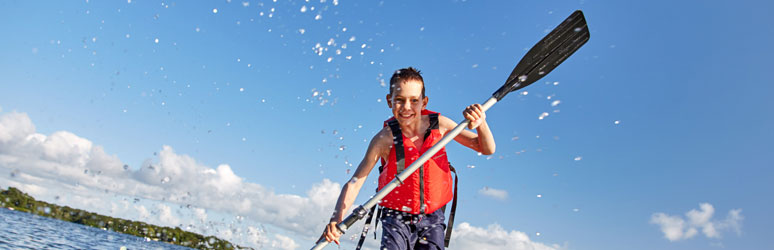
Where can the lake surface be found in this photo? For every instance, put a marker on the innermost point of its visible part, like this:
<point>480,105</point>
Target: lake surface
<point>19,230</point>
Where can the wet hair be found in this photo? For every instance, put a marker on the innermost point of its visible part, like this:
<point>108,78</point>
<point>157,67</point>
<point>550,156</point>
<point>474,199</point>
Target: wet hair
<point>405,75</point>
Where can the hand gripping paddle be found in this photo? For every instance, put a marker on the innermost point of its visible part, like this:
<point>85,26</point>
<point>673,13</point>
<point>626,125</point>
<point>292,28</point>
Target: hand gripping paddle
<point>551,51</point>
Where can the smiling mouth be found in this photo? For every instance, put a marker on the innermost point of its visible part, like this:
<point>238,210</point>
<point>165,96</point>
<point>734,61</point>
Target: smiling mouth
<point>407,116</point>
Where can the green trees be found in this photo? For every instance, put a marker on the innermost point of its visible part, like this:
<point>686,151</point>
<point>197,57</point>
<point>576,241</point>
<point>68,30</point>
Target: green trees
<point>20,201</point>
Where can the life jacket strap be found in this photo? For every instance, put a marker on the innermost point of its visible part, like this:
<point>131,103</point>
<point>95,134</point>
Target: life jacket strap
<point>397,141</point>
<point>453,211</point>
<point>365,227</point>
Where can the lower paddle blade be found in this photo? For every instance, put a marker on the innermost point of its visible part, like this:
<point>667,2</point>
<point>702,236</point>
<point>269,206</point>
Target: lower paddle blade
<point>551,51</point>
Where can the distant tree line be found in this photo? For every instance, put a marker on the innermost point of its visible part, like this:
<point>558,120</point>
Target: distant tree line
<point>17,200</point>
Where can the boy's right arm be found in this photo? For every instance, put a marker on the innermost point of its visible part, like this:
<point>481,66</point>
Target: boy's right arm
<point>376,149</point>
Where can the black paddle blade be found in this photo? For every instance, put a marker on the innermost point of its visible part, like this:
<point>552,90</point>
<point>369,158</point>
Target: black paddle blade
<point>551,51</point>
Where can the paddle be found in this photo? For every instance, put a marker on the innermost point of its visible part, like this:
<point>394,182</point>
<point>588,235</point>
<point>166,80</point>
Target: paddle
<point>551,51</point>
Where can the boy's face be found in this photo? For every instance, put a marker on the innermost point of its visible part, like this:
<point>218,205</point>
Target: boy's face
<point>407,102</point>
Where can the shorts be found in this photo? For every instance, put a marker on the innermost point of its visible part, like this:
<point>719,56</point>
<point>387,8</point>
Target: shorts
<point>405,231</point>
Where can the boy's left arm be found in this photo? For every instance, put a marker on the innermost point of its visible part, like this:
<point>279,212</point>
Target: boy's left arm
<point>483,140</point>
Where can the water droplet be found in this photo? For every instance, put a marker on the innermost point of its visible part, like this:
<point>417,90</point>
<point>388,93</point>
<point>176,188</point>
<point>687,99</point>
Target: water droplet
<point>126,167</point>
<point>514,138</point>
<point>157,40</point>
<point>540,196</point>
<point>543,116</point>
<point>303,9</point>
<point>471,166</point>
<point>342,147</point>
<point>524,92</point>
<point>165,180</point>
<point>554,103</point>
<point>537,234</point>
<point>241,89</point>
<point>575,209</point>
<point>318,17</point>
<point>578,158</point>
<point>215,11</point>
<point>617,122</point>
<point>522,78</point>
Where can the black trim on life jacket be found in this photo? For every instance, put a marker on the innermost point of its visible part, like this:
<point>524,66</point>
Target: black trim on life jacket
<point>397,141</point>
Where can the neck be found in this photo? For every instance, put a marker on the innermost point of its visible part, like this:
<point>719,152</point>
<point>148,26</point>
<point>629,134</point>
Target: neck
<point>414,128</point>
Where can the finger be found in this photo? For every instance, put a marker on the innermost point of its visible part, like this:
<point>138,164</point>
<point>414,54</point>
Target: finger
<point>478,109</point>
<point>474,116</point>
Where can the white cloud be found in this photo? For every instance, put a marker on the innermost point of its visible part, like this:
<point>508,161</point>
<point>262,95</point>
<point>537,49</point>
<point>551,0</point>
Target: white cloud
<point>676,228</point>
<point>13,127</point>
<point>493,193</point>
<point>283,242</point>
<point>64,163</point>
<point>166,216</point>
<point>201,214</point>
<point>85,176</point>
<point>144,214</point>
<point>493,237</point>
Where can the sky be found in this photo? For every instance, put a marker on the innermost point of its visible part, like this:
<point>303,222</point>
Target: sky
<point>242,119</point>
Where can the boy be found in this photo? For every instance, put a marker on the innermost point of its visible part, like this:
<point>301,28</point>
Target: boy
<point>413,215</point>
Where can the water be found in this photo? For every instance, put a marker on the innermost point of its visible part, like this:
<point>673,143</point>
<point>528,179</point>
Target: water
<point>20,230</point>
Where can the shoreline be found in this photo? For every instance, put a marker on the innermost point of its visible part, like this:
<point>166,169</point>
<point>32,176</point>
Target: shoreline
<point>15,200</point>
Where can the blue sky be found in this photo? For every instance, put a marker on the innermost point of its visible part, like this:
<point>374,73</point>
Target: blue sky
<point>665,108</point>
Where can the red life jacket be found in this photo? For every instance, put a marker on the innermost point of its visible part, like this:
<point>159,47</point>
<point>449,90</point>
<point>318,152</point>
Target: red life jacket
<point>427,189</point>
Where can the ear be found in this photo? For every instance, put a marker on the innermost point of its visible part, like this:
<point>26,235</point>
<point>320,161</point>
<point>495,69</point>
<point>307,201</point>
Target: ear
<point>389,100</point>
<point>424,102</point>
